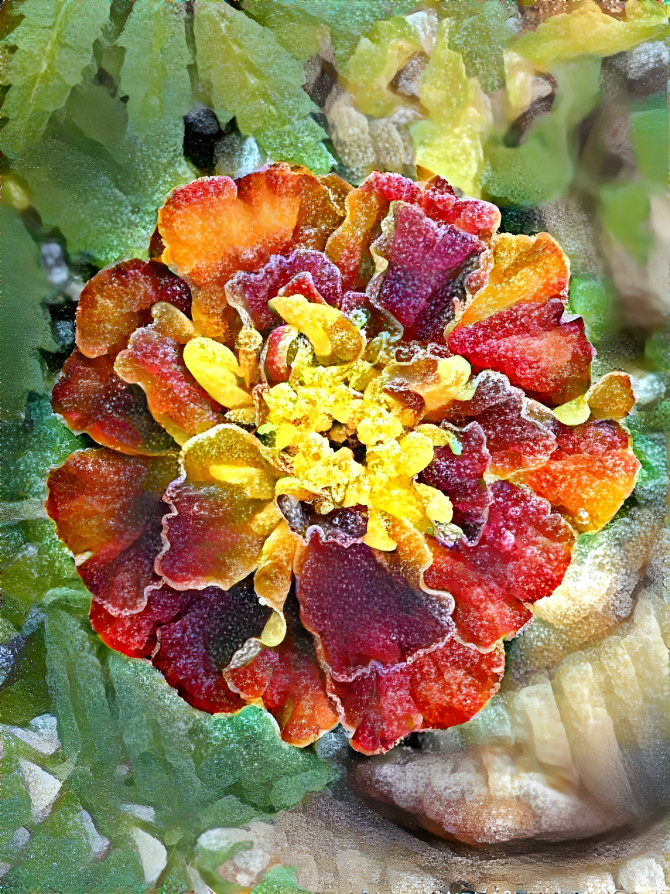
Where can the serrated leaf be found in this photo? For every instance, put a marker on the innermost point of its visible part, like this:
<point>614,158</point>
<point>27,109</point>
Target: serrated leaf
<point>300,143</point>
<point>245,72</point>
<point>24,321</point>
<point>54,45</point>
<point>479,32</point>
<point>449,141</point>
<point>346,20</point>
<point>589,29</point>
<point>155,75</point>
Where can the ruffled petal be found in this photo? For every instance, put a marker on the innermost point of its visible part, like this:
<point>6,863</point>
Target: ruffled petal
<point>519,433</point>
<point>461,477</point>
<point>118,300</point>
<point>135,635</point>
<point>591,473</point>
<point>176,401</point>
<point>444,687</point>
<point>525,268</point>
<point>367,206</point>
<point>222,511</point>
<point>307,272</point>
<point>428,264</point>
<point>523,554</point>
<point>475,216</point>
<point>362,609</point>
<point>194,650</point>
<point>213,227</point>
<point>289,683</point>
<point>93,399</point>
<point>108,509</point>
<point>537,346</point>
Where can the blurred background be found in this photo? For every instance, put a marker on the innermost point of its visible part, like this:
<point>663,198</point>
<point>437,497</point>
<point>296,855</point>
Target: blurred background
<point>555,111</point>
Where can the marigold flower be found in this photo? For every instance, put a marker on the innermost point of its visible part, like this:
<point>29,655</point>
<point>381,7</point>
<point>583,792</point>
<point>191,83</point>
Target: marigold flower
<point>335,466</point>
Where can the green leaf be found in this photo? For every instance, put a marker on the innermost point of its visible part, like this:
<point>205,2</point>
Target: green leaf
<point>624,211</point>
<point>155,75</point>
<point>541,168</point>
<point>54,45</point>
<point>279,880</point>
<point>245,72</point>
<point>595,300</point>
<point>479,32</point>
<point>300,143</point>
<point>345,20</point>
<point>24,321</point>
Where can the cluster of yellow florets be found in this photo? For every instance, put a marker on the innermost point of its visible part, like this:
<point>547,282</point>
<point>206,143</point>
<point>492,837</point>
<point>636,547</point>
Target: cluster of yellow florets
<point>335,403</point>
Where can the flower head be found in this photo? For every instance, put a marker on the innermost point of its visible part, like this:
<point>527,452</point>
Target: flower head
<point>348,436</point>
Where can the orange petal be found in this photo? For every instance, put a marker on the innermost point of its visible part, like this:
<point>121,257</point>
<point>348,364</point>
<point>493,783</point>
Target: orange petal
<point>589,475</point>
<point>213,227</point>
<point>525,268</point>
<point>93,399</point>
<point>612,397</point>
<point>176,401</point>
<point>118,300</point>
<point>108,509</point>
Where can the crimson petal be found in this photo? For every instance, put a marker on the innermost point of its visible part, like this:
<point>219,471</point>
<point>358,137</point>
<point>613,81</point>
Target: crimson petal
<point>461,478</point>
<point>108,509</point>
<point>535,345</point>
<point>135,635</point>
<point>426,273</point>
<point>194,650</point>
<point>250,292</point>
<point>118,300</point>
<point>444,687</point>
<point>518,431</point>
<point>289,682</point>
<point>362,610</point>
<point>93,399</point>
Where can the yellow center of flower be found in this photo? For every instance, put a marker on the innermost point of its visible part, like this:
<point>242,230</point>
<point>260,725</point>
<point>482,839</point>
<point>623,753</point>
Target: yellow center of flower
<point>342,438</point>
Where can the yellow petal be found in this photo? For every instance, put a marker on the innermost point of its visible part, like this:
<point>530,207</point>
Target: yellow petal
<point>334,338</point>
<point>574,412</point>
<point>215,368</point>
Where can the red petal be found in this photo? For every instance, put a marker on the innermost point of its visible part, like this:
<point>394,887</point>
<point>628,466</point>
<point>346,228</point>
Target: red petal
<point>194,650</point>
<point>548,357</point>
<point>217,528</point>
<point>213,227</point>
<point>93,399</point>
<point>362,610</point>
<point>425,276</point>
<point>518,433</point>
<point>523,554</point>
<point>590,474</point>
<point>109,505</point>
<point>367,206</point>
<point>474,216</point>
<point>174,397</point>
<point>290,684</point>
<point>135,635</point>
<point>118,300</point>
<point>251,291</point>
<point>484,611</point>
<point>461,478</point>
<point>444,687</point>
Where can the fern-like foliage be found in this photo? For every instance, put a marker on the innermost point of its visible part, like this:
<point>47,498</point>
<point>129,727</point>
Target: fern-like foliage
<point>246,72</point>
<point>155,76</point>
<point>53,45</point>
